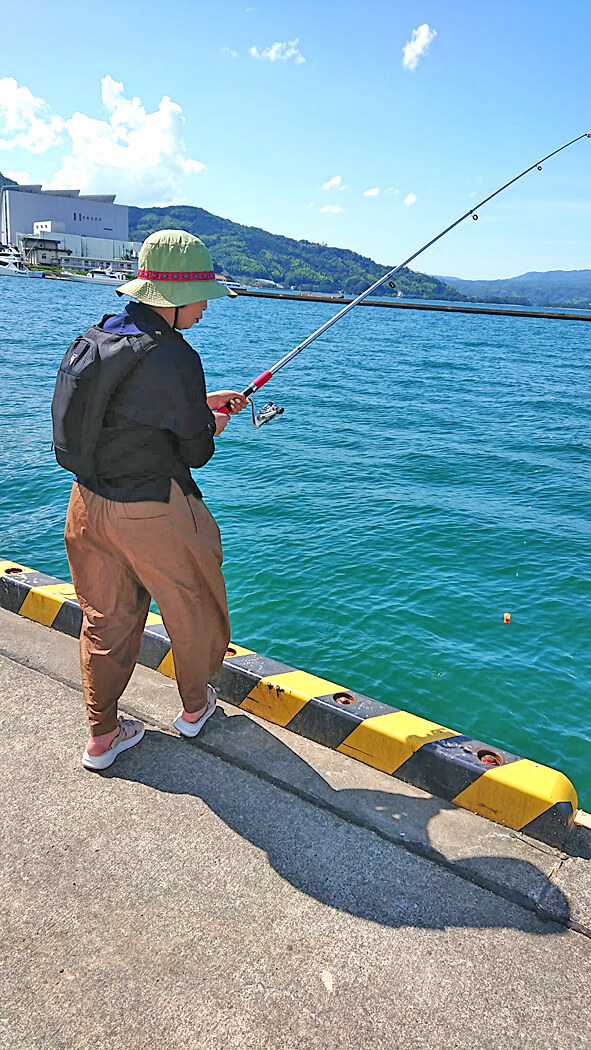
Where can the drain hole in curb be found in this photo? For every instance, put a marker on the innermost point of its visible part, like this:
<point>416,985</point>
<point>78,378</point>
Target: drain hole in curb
<point>344,698</point>
<point>11,572</point>
<point>490,758</point>
<point>231,651</point>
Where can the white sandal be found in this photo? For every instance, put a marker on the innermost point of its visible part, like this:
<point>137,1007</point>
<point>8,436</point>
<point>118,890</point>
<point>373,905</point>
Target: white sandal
<point>193,728</point>
<point>130,732</point>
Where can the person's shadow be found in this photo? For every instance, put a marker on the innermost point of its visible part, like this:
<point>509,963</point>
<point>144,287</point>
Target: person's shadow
<point>337,862</point>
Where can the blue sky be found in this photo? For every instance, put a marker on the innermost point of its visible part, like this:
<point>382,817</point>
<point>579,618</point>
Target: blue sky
<point>269,113</point>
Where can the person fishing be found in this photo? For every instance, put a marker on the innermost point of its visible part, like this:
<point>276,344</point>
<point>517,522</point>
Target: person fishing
<point>131,418</point>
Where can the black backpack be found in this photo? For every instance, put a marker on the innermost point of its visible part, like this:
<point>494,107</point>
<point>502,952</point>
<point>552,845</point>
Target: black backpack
<point>91,370</point>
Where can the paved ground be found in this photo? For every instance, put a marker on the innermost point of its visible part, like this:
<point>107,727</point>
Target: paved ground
<point>257,891</point>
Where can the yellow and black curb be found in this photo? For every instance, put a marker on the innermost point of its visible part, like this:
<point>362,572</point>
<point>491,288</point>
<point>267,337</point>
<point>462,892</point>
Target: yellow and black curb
<point>513,791</point>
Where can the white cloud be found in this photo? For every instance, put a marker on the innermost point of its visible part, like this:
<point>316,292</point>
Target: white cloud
<point>280,52</point>
<point>371,193</point>
<point>25,121</point>
<point>141,156</point>
<point>311,204</point>
<point>22,177</point>
<point>421,38</point>
<point>333,208</point>
<point>230,52</point>
<point>336,183</point>
<point>410,199</point>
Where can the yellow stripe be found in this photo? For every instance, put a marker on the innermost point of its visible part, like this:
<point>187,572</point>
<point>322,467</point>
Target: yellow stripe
<point>279,697</point>
<point>167,665</point>
<point>152,619</point>
<point>4,565</point>
<point>385,742</point>
<point>65,590</point>
<point>239,650</point>
<point>43,603</point>
<point>517,793</point>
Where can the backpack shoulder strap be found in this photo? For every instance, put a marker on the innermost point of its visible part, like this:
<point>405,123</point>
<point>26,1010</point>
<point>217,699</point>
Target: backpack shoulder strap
<point>140,342</point>
<point>143,342</point>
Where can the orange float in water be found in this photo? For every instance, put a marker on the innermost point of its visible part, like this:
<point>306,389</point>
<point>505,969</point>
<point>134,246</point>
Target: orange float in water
<point>506,617</point>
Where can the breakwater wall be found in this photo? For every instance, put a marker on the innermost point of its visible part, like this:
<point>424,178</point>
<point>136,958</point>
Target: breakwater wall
<point>396,304</point>
<point>513,791</point>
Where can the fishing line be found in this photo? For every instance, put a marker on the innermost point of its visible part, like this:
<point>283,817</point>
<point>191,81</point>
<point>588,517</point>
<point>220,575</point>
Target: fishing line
<point>270,410</point>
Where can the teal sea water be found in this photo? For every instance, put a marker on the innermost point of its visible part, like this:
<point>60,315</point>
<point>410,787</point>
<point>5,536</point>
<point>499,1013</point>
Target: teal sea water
<point>431,472</point>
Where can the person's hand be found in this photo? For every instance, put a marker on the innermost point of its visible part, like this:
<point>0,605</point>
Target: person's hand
<point>221,422</point>
<point>229,399</point>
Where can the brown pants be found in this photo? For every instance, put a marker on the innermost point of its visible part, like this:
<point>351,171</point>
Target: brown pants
<point>120,554</point>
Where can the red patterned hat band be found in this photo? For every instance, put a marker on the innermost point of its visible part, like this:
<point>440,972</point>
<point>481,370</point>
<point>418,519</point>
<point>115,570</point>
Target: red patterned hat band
<point>155,275</point>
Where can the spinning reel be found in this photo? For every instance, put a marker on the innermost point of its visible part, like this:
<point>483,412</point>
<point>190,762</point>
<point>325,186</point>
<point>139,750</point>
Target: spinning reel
<point>265,414</point>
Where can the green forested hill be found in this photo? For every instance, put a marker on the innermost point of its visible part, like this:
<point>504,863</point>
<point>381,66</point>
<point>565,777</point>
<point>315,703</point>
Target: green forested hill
<point>248,253</point>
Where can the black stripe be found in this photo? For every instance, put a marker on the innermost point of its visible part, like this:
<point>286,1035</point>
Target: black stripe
<point>447,767</point>
<point>155,646</point>
<point>552,826</point>
<point>13,592</point>
<point>35,579</point>
<point>69,619</point>
<point>259,666</point>
<point>240,674</point>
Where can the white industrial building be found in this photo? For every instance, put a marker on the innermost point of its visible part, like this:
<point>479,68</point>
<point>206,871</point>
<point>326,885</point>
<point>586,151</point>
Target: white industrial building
<point>64,226</point>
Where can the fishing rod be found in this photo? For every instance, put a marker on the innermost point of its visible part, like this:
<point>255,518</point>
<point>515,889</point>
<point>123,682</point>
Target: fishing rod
<point>270,410</point>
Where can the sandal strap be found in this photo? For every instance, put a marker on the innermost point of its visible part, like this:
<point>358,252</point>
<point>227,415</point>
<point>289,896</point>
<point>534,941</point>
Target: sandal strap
<point>128,727</point>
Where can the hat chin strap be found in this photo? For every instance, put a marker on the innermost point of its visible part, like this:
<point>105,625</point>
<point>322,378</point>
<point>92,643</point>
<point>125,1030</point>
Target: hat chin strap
<point>176,316</point>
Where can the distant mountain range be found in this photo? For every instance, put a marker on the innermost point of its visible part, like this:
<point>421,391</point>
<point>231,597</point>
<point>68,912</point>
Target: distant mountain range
<point>570,288</point>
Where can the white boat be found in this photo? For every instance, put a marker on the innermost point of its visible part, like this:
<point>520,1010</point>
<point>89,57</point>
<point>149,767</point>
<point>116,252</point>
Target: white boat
<point>233,285</point>
<point>98,277</point>
<point>12,265</point>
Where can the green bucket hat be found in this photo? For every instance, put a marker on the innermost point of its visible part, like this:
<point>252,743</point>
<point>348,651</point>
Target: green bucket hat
<point>174,269</point>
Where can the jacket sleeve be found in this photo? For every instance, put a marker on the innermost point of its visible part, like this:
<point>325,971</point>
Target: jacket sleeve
<point>197,450</point>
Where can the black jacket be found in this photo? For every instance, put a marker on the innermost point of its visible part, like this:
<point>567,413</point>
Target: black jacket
<point>158,423</point>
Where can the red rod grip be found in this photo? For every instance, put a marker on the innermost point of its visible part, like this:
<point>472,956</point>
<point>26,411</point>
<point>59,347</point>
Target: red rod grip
<point>255,385</point>
<point>261,380</point>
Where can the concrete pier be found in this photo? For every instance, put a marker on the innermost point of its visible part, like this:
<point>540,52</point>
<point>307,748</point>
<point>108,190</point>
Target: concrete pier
<point>254,890</point>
